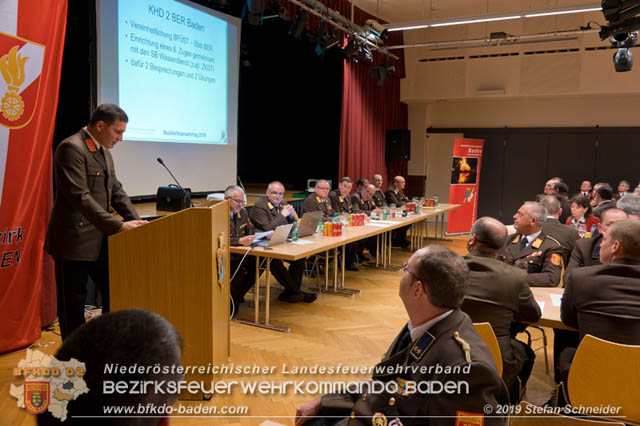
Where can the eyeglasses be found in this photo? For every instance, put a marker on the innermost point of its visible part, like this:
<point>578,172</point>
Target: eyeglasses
<point>240,201</point>
<point>405,267</point>
<point>276,193</point>
<point>322,187</point>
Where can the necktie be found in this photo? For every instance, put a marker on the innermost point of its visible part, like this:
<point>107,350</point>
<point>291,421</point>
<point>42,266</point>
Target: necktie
<point>523,242</point>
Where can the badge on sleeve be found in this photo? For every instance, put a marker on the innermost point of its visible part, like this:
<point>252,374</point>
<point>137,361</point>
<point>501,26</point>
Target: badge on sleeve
<point>556,259</point>
<point>422,346</point>
<point>464,418</point>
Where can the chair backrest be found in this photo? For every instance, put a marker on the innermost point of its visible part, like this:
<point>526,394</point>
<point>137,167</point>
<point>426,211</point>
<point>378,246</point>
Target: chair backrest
<point>486,332</point>
<point>531,415</point>
<point>615,328</point>
<point>605,373</point>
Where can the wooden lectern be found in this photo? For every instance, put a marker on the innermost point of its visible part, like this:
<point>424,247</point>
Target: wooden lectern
<point>170,267</point>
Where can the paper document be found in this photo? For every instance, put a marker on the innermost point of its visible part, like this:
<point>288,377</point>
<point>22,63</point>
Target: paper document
<point>382,225</point>
<point>262,235</point>
<point>556,299</point>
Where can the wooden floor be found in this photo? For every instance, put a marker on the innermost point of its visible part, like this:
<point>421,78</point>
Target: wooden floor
<point>334,330</point>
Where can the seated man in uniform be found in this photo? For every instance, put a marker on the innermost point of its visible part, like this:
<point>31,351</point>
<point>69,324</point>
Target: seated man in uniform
<point>438,334</point>
<point>564,234</point>
<point>587,250</point>
<point>585,189</point>
<point>362,202</point>
<point>267,214</point>
<point>604,300</point>
<point>241,234</point>
<point>125,338</point>
<point>341,203</point>
<point>395,195</point>
<point>341,198</point>
<point>531,250</point>
<point>379,197</point>
<point>499,294</point>
<point>319,201</point>
<point>362,182</point>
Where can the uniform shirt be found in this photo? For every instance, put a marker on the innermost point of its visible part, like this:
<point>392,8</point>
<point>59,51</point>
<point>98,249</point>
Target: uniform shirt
<point>378,198</point>
<point>396,196</point>
<point>239,227</point>
<point>314,203</point>
<point>360,205</point>
<point>340,203</point>
<point>266,217</point>
<point>541,259</point>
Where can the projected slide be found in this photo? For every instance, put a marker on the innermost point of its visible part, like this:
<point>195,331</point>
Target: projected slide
<point>172,63</point>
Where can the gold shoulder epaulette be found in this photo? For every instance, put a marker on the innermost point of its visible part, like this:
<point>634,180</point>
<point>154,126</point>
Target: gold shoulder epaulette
<point>464,345</point>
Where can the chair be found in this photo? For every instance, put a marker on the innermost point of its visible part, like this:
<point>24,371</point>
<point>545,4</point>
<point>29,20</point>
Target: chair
<point>485,331</point>
<point>528,416</point>
<point>606,373</point>
<point>543,337</point>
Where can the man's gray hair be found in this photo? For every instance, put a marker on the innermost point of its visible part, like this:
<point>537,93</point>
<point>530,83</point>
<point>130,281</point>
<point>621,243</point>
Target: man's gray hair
<point>630,204</point>
<point>537,210</point>
<point>552,204</point>
<point>229,191</point>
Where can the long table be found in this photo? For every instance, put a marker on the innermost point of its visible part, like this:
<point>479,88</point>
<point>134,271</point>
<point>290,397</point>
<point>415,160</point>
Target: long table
<point>550,312</point>
<point>316,243</point>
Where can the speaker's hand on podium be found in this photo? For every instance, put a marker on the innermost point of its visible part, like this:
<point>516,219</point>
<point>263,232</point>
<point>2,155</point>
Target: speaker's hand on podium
<point>131,224</point>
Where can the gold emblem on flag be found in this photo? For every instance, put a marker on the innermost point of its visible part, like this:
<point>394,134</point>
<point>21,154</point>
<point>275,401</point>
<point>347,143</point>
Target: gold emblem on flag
<point>12,69</point>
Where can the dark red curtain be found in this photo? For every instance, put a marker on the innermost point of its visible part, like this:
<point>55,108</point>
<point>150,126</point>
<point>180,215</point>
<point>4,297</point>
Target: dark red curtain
<point>368,110</point>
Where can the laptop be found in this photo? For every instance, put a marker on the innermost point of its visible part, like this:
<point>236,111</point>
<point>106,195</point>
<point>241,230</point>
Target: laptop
<point>278,236</point>
<point>308,224</point>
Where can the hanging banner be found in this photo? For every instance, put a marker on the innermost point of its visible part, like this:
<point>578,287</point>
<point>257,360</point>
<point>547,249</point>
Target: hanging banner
<point>31,45</point>
<point>465,181</point>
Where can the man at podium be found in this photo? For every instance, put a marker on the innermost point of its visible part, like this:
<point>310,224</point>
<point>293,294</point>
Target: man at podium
<point>87,192</point>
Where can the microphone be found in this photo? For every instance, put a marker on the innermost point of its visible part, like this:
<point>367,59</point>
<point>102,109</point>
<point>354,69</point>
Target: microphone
<point>165,166</point>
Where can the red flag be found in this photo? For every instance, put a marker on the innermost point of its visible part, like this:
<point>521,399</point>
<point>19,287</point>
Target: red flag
<point>31,45</point>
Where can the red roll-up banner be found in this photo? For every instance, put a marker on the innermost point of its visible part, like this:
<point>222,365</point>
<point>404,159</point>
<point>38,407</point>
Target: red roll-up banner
<point>31,44</point>
<point>465,181</point>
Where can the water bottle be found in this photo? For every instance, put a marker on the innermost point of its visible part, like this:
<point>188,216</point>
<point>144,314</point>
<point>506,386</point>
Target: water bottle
<point>294,231</point>
<point>385,212</point>
<point>436,203</point>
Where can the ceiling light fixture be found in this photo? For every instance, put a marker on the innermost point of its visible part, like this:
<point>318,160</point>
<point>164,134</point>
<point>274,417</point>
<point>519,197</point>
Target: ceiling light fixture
<point>431,23</point>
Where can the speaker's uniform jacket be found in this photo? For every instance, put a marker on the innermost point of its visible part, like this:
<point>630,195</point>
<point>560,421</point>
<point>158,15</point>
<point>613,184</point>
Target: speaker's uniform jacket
<point>340,204</point>
<point>266,217</point>
<point>396,196</point>
<point>542,259</point>
<point>451,342</point>
<point>87,191</point>
<point>314,203</point>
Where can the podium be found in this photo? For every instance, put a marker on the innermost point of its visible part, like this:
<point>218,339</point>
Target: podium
<point>170,267</point>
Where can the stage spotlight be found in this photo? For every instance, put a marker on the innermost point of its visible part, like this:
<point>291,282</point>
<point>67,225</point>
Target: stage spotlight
<point>377,29</point>
<point>622,60</point>
<point>299,24</point>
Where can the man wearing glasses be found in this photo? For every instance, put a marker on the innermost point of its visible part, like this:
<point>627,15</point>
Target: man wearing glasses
<point>319,201</point>
<point>438,346</point>
<point>267,214</point>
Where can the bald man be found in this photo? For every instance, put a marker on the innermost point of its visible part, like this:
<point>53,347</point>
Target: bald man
<point>378,197</point>
<point>319,201</point>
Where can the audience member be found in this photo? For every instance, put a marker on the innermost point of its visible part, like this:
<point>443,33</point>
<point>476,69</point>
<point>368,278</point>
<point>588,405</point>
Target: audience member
<point>531,250</point>
<point>438,334</point>
<point>125,338</point>
<point>582,218</point>
<point>499,294</point>
<point>552,227</point>
<point>602,200</point>
<point>623,189</point>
